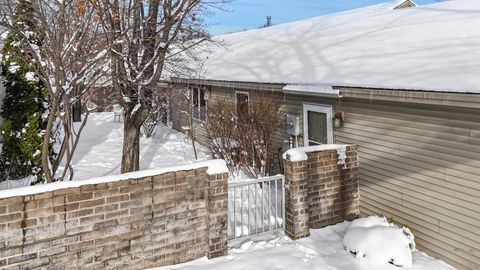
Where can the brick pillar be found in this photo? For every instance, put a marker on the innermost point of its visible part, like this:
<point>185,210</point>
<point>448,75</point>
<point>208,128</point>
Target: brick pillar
<point>217,215</point>
<point>333,188</point>
<point>296,199</point>
<point>321,189</point>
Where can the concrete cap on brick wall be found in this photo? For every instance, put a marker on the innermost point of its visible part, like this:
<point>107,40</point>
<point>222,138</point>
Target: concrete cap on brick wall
<point>300,153</point>
<point>217,166</point>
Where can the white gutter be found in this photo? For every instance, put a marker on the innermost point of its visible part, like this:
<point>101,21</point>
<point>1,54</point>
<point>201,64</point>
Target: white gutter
<point>317,90</point>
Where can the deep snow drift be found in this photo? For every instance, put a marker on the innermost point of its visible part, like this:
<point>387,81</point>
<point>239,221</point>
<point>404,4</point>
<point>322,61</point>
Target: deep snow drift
<point>323,250</point>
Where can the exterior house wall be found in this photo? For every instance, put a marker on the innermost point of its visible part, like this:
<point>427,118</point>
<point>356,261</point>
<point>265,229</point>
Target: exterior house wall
<point>214,93</point>
<point>419,161</point>
<point>420,165</point>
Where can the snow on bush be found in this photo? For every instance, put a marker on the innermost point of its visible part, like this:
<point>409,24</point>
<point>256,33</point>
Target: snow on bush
<point>379,241</point>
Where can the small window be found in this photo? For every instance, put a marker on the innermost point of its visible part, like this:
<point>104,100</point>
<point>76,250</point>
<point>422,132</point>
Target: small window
<point>199,104</point>
<point>241,102</point>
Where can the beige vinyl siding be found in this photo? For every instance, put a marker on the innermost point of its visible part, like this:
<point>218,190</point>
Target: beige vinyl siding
<point>420,165</point>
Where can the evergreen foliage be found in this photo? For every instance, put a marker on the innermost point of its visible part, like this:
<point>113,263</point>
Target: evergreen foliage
<point>25,101</point>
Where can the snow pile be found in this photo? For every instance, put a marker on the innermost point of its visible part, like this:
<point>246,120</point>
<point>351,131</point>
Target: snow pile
<point>380,242</point>
<point>300,153</point>
<point>318,89</point>
<point>296,154</point>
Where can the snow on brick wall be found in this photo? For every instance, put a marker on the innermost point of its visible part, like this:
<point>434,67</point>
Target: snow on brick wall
<point>135,223</point>
<point>322,187</point>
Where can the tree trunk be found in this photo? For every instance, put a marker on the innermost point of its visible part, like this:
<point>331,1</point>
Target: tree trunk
<point>131,145</point>
<point>77,111</point>
<point>77,108</point>
<point>46,143</point>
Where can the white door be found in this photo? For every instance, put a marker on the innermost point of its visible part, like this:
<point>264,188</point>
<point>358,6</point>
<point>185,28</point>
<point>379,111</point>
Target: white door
<point>317,124</point>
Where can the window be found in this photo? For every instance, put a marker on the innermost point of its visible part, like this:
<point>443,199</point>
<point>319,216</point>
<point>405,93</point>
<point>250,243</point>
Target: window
<point>199,104</point>
<point>241,101</point>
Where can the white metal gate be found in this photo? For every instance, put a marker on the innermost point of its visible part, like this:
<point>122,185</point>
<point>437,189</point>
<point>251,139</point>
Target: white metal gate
<point>256,206</point>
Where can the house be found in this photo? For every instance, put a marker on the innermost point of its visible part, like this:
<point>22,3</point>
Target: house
<point>406,79</point>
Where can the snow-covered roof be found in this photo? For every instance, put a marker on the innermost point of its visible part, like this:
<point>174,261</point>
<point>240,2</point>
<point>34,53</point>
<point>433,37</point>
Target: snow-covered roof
<point>431,47</point>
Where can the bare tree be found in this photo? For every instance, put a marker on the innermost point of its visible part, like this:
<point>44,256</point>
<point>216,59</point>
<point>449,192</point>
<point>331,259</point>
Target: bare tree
<point>146,39</point>
<point>70,61</point>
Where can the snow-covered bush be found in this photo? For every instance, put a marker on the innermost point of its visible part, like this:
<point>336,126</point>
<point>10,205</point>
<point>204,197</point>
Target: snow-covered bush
<point>379,241</point>
<point>24,104</point>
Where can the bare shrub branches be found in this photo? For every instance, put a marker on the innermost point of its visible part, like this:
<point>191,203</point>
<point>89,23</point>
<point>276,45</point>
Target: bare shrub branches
<point>245,139</point>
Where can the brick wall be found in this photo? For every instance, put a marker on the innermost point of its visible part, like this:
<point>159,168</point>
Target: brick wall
<point>320,191</point>
<point>128,224</point>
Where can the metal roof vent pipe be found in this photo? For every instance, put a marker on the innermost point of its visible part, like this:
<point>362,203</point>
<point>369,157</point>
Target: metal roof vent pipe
<point>269,21</point>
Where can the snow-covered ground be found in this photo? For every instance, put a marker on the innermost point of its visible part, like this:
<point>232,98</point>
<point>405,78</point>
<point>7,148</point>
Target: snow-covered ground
<point>323,250</point>
<point>255,208</point>
<point>99,152</point>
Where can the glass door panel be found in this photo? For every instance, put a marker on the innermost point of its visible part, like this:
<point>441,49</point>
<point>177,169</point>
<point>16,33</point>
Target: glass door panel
<point>317,128</point>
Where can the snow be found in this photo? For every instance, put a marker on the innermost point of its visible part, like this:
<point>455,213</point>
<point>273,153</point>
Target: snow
<point>300,153</point>
<point>31,77</point>
<point>431,47</point>
<point>13,68</point>
<point>319,89</point>
<point>12,184</point>
<point>216,166</point>
<point>368,222</point>
<point>254,207</point>
<point>323,250</point>
<point>379,242</point>
<point>100,149</point>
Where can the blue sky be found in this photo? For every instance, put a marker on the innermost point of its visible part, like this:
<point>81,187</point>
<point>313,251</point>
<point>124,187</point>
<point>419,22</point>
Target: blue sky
<point>248,14</point>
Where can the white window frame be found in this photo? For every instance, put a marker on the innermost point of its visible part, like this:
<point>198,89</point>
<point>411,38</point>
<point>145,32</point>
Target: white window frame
<point>198,102</point>
<point>241,93</point>
<point>320,108</point>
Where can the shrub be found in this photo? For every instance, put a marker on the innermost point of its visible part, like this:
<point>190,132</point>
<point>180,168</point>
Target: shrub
<point>245,139</point>
<point>24,104</point>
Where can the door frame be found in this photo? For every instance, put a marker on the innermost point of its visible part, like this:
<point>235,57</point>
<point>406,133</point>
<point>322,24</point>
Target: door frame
<point>320,108</point>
